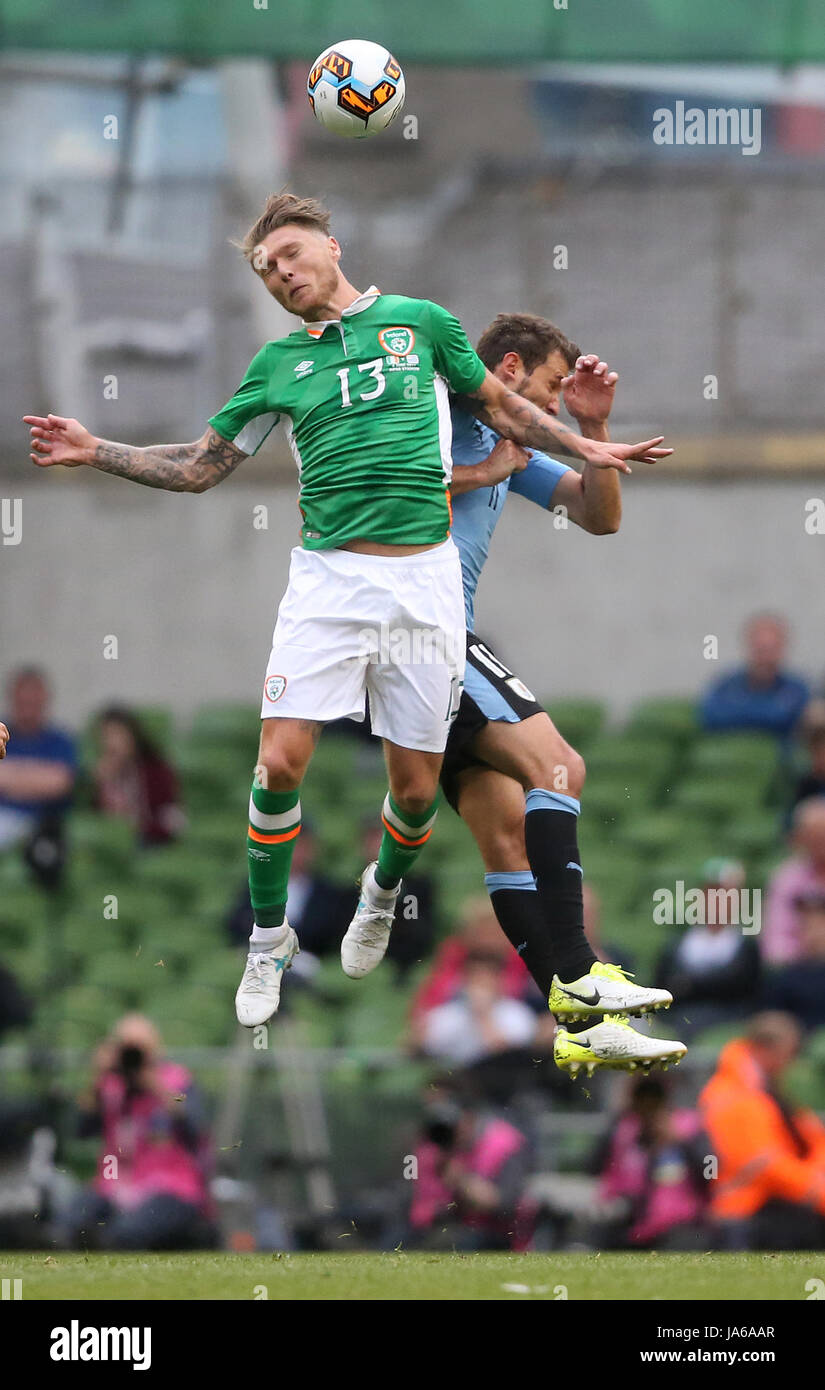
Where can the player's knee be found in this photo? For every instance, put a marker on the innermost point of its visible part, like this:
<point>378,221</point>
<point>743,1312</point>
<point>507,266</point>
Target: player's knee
<point>576,773</point>
<point>564,772</point>
<point>414,796</point>
<point>279,772</point>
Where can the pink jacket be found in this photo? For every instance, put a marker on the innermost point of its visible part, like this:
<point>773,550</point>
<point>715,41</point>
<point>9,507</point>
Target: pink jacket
<point>150,1158</point>
<point>779,941</point>
<point>496,1142</point>
<point>662,1203</point>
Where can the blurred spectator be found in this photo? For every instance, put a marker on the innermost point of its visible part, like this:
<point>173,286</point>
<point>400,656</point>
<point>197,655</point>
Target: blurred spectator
<point>799,988</point>
<point>801,875</point>
<point>769,1193</point>
<point>4,738</point>
<point>36,777</point>
<point>812,781</point>
<point>761,695</point>
<point>471,1173</point>
<point>712,969</point>
<point>151,1189</point>
<point>478,933</point>
<point>133,781</point>
<point>651,1163</point>
<point>480,1020</point>
<point>15,1008</point>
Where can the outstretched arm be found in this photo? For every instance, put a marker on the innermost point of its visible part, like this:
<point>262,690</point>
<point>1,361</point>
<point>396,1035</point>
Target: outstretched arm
<point>513,417</point>
<point>192,467</point>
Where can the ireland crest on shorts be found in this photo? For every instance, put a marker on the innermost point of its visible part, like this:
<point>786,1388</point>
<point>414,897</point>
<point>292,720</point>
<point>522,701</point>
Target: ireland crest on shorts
<point>398,342</point>
<point>274,687</point>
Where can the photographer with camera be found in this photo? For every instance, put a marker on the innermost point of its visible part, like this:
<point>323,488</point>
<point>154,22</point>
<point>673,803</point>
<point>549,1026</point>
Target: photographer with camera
<point>470,1178</point>
<point>151,1189</point>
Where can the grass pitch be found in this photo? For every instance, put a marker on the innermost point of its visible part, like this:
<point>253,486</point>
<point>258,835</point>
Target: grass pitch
<point>398,1276</point>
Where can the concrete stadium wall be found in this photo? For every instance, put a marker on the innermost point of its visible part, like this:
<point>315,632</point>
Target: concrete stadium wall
<point>189,587</point>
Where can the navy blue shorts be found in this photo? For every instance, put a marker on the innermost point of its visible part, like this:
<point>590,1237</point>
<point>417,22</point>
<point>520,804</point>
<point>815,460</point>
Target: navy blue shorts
<point>492,692</point>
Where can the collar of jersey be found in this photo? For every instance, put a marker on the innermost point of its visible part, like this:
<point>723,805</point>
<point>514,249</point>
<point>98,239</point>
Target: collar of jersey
<point>317,329</point>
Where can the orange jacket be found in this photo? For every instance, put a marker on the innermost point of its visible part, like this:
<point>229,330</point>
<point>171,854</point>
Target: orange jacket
<point>758,1159</point>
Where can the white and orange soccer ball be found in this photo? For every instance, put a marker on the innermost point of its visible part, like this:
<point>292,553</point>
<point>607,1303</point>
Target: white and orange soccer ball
<point>356,88</point>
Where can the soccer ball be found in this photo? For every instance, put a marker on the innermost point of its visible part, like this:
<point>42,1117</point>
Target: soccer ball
<point>356,88</point>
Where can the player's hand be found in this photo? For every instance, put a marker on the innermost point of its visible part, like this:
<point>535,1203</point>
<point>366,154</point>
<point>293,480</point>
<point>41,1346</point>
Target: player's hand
<point>58,440</point>
<point>589,390</point>
<point>602,455</point>
<point>4,738</point>
<point>506,458</point>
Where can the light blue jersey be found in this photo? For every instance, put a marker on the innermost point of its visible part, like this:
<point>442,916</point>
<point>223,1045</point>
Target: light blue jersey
<point>476,514</point>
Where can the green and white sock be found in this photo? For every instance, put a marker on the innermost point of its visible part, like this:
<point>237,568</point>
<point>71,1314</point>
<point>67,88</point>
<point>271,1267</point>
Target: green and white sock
<point>405,835</point>
<point>274,825</point>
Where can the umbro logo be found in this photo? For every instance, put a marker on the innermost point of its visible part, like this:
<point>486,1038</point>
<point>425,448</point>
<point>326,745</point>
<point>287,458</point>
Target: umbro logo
<point>304,368</point>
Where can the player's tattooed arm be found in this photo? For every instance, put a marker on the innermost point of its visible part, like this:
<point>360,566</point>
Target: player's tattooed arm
<point>513,417</point>
<point>194,467</point>
<point>173,467</point>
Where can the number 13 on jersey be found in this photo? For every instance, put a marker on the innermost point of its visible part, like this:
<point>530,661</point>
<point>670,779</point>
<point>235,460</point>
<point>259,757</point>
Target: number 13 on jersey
<point>374,369</point>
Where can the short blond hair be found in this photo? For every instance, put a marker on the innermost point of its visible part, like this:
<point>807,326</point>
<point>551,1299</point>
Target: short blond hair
<point>280,210</point>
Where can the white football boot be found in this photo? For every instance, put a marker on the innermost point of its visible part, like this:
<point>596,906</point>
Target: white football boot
<point>615,1045</point>
<point>259,992</point>
<point>605,989</point>
<point>368,934</point>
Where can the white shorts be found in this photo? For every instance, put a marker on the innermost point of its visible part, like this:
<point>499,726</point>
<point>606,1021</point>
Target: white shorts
<point>390,626</point>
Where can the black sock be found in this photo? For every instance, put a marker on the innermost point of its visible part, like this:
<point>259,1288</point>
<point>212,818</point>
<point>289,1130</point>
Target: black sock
<point>516,905</point>
<point>550,825</point>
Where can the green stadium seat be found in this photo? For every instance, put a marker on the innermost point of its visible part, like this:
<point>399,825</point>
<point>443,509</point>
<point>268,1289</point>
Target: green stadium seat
<point>14,874</point>
<point>805,1083</point>
<point>215,776</point>
<point>318,1024</point>
<point>578,720</point>
<point>159,724</point>
<point>672,717</point>
<point>91,1006</point>
<point>218,970</point>
<point>220,834</point>
<point>118,973</point>
<point>227,725</point>
<point>376,1022</point>
<point>665,832</point>
<point>744,753</point>
<point>815,1047</point>
<point>106,842</point>
<point>192,1017</point>
<point>22,912</point>
<point>719,799</point>
<point>29,964</point>
<point>753,834</point>
<point>631,768</point>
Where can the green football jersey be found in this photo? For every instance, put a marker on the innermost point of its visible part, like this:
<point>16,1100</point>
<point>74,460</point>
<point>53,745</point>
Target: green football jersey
<point>364,402</point>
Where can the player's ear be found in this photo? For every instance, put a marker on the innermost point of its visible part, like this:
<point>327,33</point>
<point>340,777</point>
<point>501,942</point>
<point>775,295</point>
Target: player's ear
<point>512,367</point>
<point>335,249</point>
